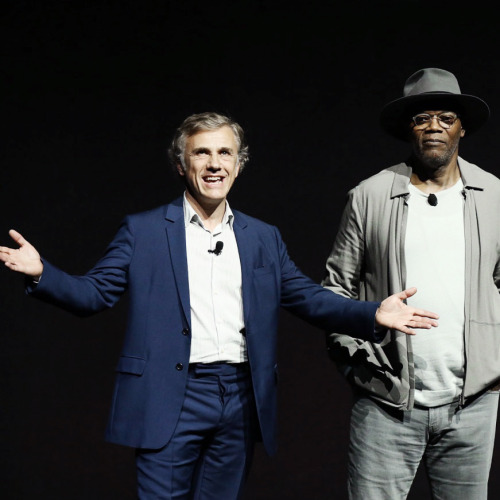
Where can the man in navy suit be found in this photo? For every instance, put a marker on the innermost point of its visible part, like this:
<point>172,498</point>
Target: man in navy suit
<point>196,379</point>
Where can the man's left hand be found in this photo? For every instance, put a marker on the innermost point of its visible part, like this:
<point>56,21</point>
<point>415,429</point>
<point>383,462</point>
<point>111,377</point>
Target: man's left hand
<point>394,313</point>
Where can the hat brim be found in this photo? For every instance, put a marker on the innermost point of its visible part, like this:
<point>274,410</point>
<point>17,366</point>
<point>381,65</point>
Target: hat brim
<point>395,116</point>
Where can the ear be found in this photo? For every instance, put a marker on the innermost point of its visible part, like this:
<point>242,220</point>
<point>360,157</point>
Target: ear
<point>462,132</point>
<point>180,170</point>
<point>237,168</point>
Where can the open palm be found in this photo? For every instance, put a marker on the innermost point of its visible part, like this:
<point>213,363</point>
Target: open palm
<point>24,259</point>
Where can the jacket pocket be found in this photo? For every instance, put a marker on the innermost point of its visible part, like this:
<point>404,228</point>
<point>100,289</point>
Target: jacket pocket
<point>132,365</point>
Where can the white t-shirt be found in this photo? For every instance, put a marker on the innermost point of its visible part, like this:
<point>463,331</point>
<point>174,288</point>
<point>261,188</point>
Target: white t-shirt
<point>435,264</point>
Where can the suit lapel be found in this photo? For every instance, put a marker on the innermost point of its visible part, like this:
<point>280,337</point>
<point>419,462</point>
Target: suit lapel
<point>245,250</point>
<point>176,235</point>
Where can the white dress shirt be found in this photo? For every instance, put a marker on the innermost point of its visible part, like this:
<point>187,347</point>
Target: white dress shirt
<point>217,323</point>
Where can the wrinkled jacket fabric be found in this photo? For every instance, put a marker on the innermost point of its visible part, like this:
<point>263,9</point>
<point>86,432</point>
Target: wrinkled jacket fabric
<point>367,262</point>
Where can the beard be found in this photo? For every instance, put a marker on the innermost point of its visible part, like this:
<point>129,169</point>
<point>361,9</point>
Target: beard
<point>433,159</point>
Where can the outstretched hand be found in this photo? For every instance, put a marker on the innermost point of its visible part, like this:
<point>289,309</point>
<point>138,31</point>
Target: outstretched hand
<point>394,313</point>
<point>24,259</point>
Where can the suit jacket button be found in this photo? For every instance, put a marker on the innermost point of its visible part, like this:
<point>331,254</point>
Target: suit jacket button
<point>179,366</point>
<point>185,331</point>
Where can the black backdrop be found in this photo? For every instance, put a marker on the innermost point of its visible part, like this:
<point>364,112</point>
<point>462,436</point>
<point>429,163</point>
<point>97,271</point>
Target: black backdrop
<point>91,94</point>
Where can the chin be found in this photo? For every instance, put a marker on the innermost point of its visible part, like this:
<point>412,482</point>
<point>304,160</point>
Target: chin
<point>434,159</point>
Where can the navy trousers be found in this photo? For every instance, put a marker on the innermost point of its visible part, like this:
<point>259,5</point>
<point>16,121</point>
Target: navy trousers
<point>210,453</point>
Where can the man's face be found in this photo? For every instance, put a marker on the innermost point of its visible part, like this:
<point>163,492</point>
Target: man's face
<point>211,160</point>
<point>433,143</point>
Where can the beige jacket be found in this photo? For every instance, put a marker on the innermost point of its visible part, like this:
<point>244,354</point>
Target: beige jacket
<point>367,263</point>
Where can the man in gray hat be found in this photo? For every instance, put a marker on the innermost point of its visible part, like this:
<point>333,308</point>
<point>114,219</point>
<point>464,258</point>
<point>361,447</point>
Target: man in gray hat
<point>432,221</point>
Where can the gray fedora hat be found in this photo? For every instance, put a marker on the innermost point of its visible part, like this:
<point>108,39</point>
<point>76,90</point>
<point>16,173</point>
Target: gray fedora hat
<point>428,88</point>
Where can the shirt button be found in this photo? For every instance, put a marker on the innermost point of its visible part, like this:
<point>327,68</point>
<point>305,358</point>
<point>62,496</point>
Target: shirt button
<point>179,367</point>
<point>185,331</point>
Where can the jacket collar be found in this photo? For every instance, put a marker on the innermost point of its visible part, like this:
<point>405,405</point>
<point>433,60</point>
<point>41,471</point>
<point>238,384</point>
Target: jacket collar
<point>468,172</point>
<point>175,210</point>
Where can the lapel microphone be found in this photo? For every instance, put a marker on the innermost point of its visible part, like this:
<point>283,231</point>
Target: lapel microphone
<point>218,248</point>
<point>432,199</point>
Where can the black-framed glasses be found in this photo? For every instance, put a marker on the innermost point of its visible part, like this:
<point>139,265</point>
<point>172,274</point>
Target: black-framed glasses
<point>446,119</point>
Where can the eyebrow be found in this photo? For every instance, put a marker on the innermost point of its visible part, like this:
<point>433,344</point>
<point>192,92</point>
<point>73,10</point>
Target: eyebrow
<point>204,149</point>
<point>200,150</point>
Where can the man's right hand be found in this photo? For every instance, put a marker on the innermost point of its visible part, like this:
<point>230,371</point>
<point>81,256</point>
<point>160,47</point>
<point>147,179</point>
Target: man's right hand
<point>24,259</point>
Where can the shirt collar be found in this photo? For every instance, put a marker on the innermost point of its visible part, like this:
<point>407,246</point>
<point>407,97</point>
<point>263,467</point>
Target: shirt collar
<point>190,214</point>
<point>470,177</point>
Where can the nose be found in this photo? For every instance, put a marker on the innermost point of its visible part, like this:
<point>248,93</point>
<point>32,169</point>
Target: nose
<point>434,123</point>
<point>213,161</point>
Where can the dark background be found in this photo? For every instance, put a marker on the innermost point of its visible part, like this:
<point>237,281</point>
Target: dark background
<point>92,93</point>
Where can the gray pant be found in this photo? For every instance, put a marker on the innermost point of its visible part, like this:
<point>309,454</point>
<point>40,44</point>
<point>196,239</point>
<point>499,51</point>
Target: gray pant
<point>387,446</point>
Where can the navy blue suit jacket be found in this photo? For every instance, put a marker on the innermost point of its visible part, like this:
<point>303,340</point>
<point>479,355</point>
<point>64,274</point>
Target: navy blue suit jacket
<point>147,258</point>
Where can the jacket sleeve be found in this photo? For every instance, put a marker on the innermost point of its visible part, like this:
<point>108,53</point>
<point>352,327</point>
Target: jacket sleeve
<point>98,289</point>
<point>344,266</point>
<point>319,306</point>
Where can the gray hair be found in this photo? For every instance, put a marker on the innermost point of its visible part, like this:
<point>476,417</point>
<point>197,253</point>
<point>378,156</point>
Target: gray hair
<point>201,122</point>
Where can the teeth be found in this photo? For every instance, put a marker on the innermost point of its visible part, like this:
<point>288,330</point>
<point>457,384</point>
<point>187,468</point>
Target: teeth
<point>213,179</point>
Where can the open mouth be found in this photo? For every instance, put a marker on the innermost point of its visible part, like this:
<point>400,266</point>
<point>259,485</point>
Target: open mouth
<point>213,179</point>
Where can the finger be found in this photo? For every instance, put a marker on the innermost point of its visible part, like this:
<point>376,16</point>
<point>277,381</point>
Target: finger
<point>407,293</point>
<point>407,330</point>
<point>421,324</point>
<point>426,314</point>
<point>17,237</point>
<point>414,321</point>
<point>12,266</point>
